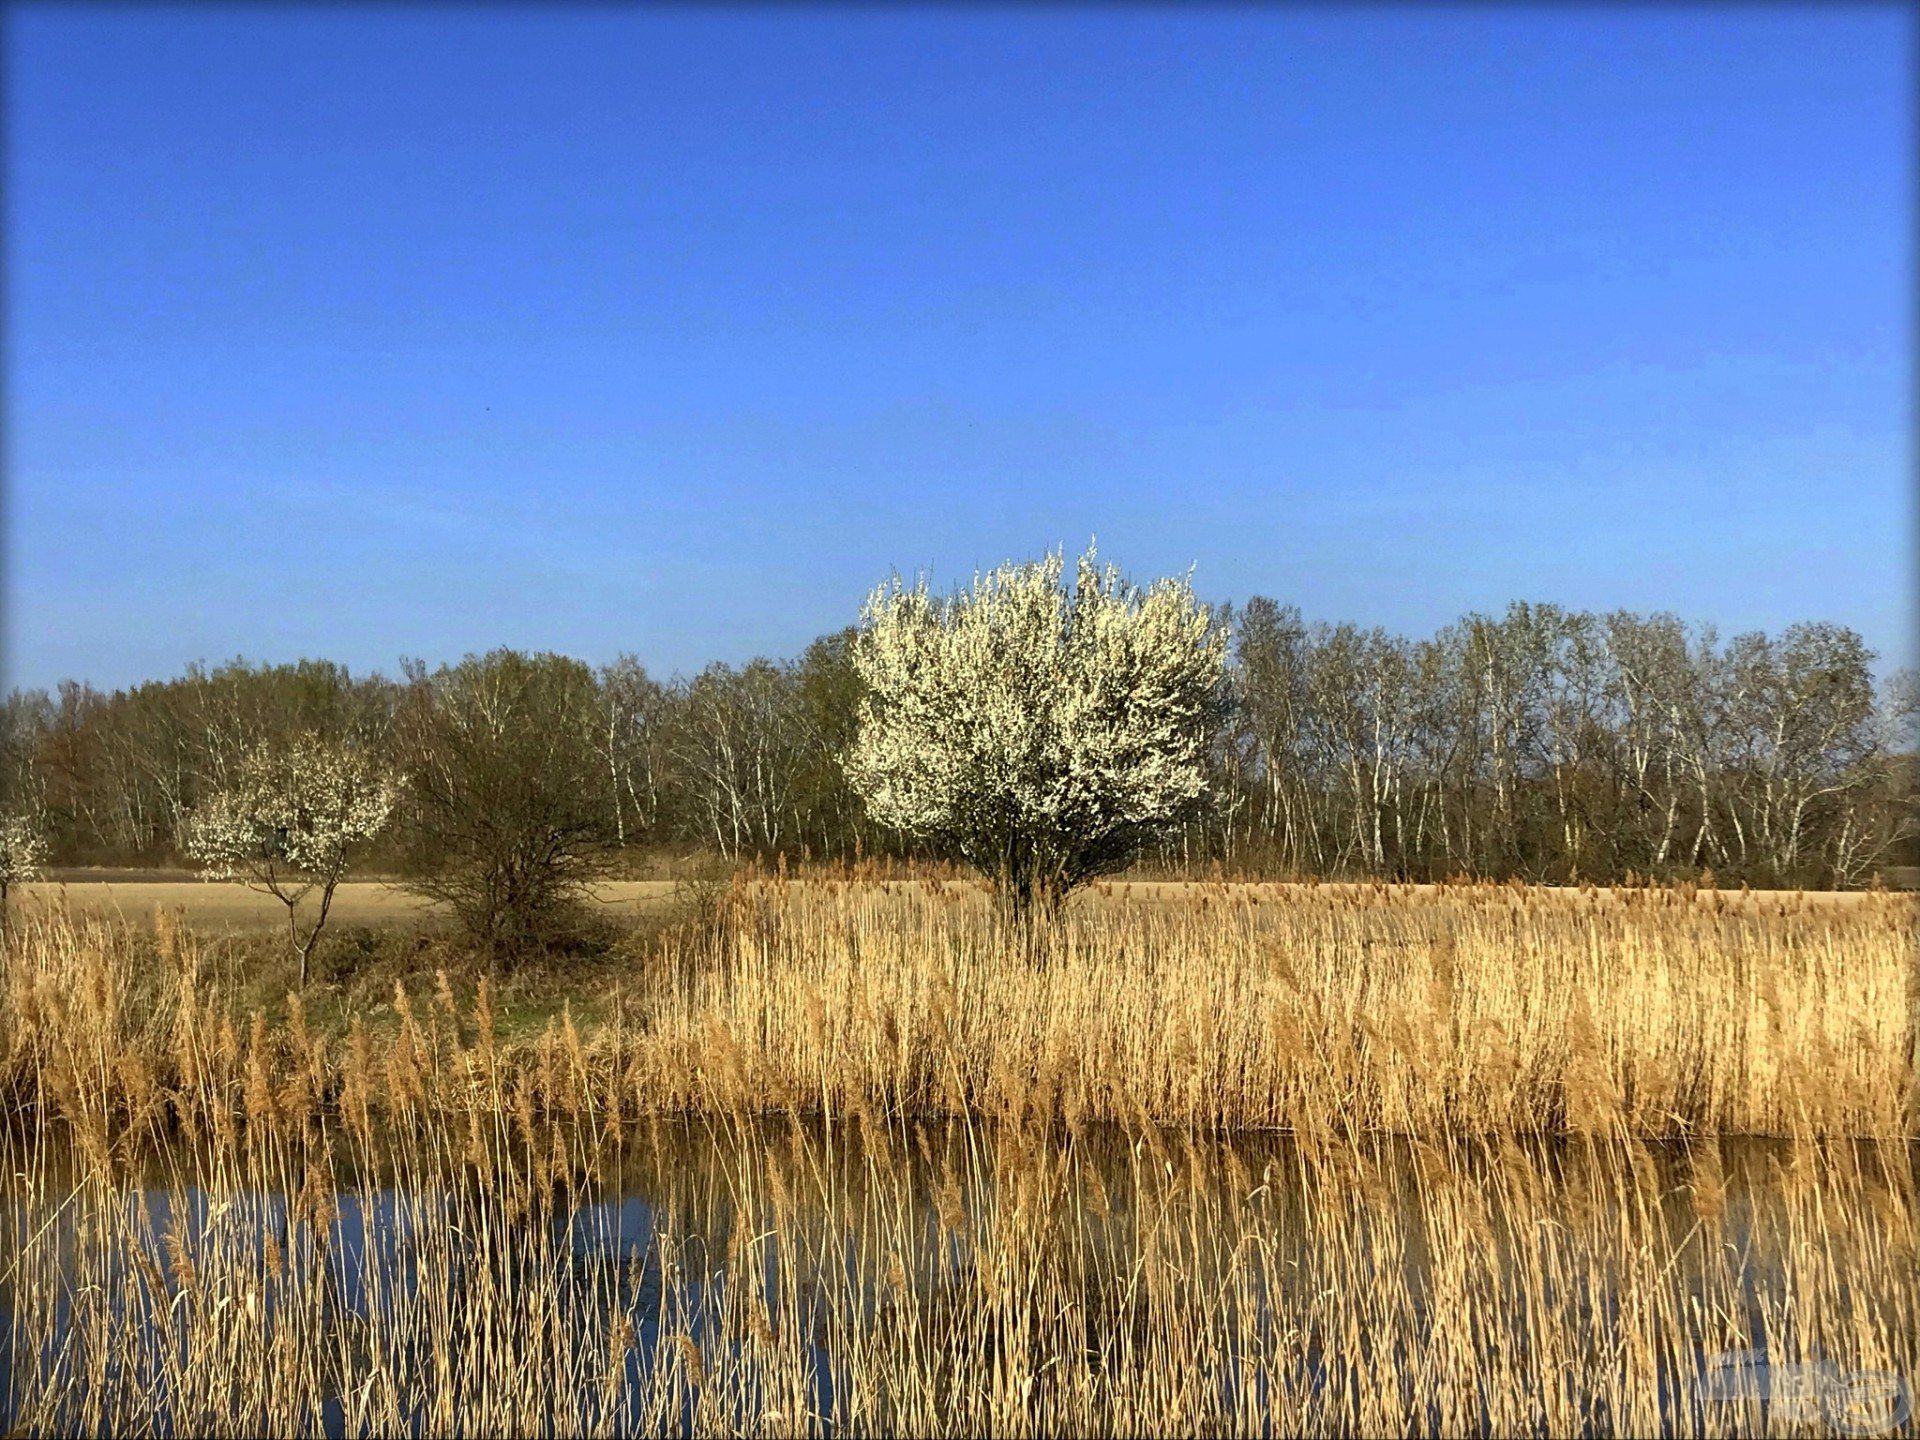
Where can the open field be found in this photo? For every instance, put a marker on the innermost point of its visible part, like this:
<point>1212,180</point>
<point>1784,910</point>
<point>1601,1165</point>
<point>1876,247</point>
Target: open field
<point>215,905</point>
<point>219,905</point>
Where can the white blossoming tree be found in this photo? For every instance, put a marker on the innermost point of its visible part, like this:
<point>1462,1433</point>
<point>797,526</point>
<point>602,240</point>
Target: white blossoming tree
<point>1040,732</point>
<point>290,825</point>
<point>23,850</point>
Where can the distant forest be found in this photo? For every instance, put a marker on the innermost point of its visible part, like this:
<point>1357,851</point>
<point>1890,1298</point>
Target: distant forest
<point>1543,744</point>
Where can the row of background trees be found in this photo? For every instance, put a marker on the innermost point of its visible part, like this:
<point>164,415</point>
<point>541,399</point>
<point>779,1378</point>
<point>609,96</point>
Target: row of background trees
<point>1543,744</point>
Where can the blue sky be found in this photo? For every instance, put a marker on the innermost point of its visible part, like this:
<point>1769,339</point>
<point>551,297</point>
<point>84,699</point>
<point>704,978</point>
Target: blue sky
<point>368,333</point>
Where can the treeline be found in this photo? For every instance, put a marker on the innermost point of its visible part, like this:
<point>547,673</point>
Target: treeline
<point>1543,744</point>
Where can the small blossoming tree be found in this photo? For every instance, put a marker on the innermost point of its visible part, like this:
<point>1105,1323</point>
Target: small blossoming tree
<point>23,850</point>
<point>289,826</point>
<point>1040,732</point>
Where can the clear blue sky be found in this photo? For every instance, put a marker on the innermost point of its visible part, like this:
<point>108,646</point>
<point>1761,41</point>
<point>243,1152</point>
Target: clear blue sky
<point>362,333</point>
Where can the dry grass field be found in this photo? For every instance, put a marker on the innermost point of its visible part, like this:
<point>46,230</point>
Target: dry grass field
<point>215,905</point>
<point>1473,1008</point>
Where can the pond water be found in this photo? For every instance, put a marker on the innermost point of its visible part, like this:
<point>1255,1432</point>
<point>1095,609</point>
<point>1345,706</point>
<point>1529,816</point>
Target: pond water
<point>797,1278</point>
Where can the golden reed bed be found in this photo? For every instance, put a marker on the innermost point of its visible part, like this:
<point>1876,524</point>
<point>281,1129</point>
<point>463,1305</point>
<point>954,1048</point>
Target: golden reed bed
<point>1482,1009</point>
<point>223,1224</point>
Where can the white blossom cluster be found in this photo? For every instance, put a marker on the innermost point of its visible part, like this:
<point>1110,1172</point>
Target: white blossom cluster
<point>23,849</point>
<point>1042,732</point>
<point>291,817</point>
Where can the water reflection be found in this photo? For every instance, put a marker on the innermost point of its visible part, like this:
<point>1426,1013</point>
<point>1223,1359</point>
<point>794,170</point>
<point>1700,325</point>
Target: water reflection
<point>789,1278</point>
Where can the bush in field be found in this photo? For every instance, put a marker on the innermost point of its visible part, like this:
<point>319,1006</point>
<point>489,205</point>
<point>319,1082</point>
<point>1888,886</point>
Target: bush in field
<point>290,824</point>
<point>23,850</point>
<point>506,793</point>
<point>1041,732</point>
